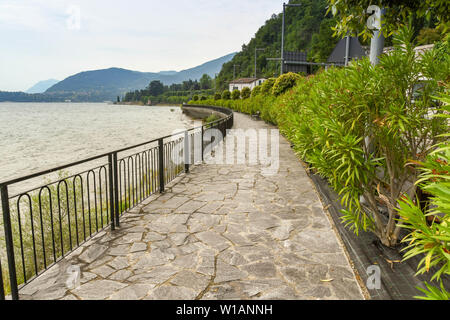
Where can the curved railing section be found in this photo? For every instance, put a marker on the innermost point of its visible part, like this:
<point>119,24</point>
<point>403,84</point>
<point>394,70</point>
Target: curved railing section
<point>44,224</point>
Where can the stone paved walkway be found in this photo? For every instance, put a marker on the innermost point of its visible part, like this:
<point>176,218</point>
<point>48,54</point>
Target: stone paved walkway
<point>220,232</point>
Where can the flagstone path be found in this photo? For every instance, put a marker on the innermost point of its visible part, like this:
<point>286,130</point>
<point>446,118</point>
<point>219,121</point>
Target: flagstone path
<point>219,232</point>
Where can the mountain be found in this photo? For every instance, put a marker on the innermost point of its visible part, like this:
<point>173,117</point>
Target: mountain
<point>107,84</point>
<point>167,73</point>
<point>42,86</point>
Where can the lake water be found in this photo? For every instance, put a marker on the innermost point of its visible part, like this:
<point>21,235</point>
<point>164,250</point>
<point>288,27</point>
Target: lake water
<point>40,136</point>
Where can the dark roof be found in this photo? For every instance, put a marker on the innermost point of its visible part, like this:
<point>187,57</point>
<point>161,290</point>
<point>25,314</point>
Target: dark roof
<point>355,51</point>
<point>244,80</point>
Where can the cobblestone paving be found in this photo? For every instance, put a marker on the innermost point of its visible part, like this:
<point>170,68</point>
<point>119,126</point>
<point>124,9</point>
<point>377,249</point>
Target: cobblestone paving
<point>220,232</point>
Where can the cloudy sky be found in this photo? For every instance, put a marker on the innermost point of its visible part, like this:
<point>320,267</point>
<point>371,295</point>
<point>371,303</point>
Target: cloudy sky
<point>44,39</point>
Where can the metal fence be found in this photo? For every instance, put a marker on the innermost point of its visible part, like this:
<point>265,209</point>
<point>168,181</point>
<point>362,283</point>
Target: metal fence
<point>44,224</point>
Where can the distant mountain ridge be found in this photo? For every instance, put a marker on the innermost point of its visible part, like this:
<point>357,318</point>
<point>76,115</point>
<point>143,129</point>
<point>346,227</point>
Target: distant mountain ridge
<point>116,81</point>
<point>42,86</point>
<point>107,84</point>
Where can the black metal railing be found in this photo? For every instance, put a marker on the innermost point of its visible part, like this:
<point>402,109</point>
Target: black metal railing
<point>44,224</point>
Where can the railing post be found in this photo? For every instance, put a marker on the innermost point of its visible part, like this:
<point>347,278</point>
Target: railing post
<point>203,132</point>
<point>116,190</point>
<point>187,156</point>
<point>223,130</point>
<point>161,165</point>
<point>9,242</point>
<point>2,288</point>
<point>111,190</point>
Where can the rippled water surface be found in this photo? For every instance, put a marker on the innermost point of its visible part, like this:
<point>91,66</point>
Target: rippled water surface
<point>39,136</point>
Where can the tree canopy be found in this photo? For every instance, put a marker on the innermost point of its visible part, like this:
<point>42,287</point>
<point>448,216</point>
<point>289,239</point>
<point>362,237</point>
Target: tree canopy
<point>306,30</point>
<point>205,82</point>
<point>352,14</point>
<point>156,88</point>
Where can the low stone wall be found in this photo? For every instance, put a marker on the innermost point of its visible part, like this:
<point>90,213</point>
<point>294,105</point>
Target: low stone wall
<point>202,112</point>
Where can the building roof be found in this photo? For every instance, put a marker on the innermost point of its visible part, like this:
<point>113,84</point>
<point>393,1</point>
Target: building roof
<point>243,80</point>
<point>355,51</point>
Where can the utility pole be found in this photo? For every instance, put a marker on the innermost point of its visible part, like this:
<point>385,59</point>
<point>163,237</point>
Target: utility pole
<point>376,48</point>
<point>257,49</point>
<point>282,40</point>
<point>282,33</point>
<point>377,42</point>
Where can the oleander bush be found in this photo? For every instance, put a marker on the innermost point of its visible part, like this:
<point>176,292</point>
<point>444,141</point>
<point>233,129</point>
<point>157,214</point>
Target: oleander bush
<point>245,93</point>
<point>365,123</point>
<point>226,95</point>
<point>429,222</point>
<point>236,94</point>
<point>256,91</point>
<point>284,83</point>
<point>266,87</point>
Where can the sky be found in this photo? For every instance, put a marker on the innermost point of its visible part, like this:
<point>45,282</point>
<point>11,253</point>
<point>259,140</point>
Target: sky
<point>53,39</point>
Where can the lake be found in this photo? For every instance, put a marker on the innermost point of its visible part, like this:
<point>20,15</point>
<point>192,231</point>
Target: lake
<point>40,136</point>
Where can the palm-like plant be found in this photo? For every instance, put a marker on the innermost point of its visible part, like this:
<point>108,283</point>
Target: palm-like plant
<point>430,225</point>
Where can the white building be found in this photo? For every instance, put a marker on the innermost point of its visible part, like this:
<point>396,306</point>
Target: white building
<point>239,84</point>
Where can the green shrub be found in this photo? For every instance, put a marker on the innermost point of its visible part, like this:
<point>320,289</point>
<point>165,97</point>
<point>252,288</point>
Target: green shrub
<point>226,95</point>
<point>195,98</point>
<point>217,96</point>
<point>346,108</point>
<point>284,83</point>
<point>203,98</point>
<point>236,94</point>
<point>213,117</point>
<point>430,224</point>
<point>256,91</point>
<point>266,87</point>
<point>245,93</point>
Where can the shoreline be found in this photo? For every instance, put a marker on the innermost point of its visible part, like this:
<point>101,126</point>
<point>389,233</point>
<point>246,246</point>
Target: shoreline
<point>136,103</point>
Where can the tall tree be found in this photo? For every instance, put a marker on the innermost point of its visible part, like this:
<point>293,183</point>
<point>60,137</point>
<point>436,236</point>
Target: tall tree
<point>155,88</point>
<point>323,43</point>
<point>205,82</point>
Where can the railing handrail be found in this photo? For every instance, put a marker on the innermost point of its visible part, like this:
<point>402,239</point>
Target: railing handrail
<point>44,172</point>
